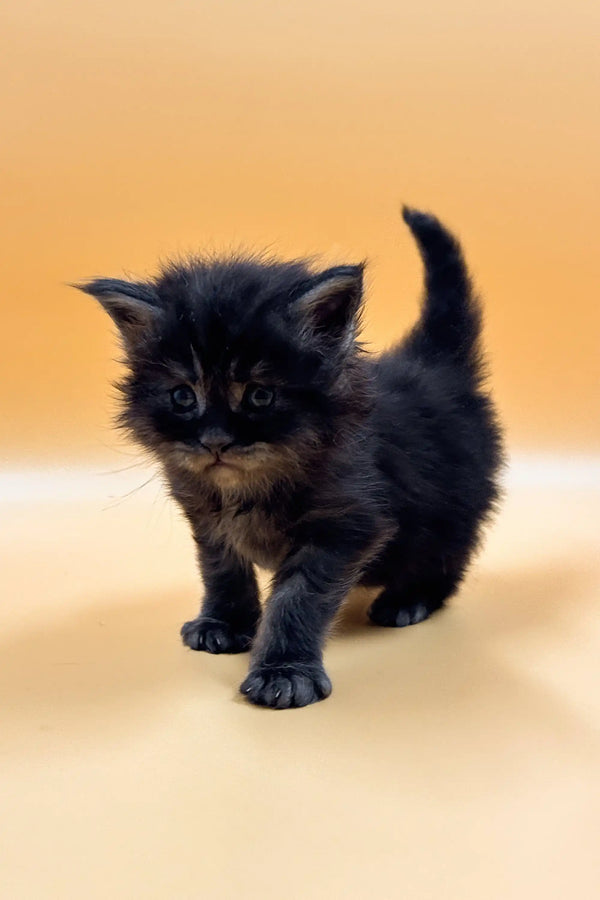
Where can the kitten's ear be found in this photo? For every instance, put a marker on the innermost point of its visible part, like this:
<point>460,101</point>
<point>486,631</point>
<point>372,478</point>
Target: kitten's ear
<point>331,304</point>
<point>133,306</point>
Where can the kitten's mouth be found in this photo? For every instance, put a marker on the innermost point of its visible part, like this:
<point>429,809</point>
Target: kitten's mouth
<point>219,461</point>
<point>236,463</point>
<point>219,464</point>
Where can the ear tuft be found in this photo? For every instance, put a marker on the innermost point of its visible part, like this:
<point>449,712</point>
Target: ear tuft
<point>133,306</point>
<point>331,305</point>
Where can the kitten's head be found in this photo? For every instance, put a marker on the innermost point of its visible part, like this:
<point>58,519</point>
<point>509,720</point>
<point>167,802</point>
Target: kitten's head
<point>239,370</point>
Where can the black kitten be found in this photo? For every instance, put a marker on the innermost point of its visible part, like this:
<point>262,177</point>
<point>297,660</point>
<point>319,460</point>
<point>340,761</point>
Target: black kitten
<point>289,447</point>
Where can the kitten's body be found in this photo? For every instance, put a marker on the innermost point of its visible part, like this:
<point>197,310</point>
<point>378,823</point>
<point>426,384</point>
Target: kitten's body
<point>306,456</point>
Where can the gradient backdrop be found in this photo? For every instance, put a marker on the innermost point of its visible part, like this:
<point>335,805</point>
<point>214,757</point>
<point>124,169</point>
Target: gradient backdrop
<point>132,130</point>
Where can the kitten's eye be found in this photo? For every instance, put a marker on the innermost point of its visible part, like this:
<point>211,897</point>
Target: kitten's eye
<point>259,397</point>
<point>183,398</point>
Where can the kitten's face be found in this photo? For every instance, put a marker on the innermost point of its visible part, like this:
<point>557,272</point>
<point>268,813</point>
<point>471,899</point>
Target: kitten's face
<point>235,420</point>
<point>237,369</point>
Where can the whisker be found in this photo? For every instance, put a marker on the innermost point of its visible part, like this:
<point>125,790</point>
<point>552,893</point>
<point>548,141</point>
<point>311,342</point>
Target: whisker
<point>135,465</point>
<point>130,493</point>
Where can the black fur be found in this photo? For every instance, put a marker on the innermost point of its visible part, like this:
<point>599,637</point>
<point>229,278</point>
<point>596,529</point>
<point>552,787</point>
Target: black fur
<point>302,453</point>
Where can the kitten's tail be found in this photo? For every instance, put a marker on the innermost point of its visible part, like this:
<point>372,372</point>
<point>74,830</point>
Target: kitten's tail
<point>450,321</point>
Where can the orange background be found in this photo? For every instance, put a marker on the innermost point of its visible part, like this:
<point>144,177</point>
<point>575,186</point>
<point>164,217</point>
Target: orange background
<point>455,760</point>
<point>135,129</point>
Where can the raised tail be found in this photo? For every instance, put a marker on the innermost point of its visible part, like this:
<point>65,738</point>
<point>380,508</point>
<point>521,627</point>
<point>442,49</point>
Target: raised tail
<point>450,321</point>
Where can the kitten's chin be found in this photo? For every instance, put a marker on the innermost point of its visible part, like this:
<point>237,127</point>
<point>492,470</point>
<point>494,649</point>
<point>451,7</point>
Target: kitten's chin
<point>225,475</point>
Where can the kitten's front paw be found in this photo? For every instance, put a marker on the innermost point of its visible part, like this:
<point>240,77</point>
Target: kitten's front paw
<point>214,636</point>
<point>282,687</point>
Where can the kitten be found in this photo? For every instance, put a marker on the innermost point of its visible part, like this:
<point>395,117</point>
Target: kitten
<point>286,445</point>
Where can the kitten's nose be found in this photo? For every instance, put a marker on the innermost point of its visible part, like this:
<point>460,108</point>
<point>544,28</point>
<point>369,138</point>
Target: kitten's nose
<point>216,440</point>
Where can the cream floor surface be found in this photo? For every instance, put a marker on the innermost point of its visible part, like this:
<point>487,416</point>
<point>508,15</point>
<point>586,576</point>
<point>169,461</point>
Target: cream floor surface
<point>456,759</point>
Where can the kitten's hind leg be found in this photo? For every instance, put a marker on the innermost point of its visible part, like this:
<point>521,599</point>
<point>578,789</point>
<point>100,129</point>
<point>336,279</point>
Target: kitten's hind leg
<point>408,603</point>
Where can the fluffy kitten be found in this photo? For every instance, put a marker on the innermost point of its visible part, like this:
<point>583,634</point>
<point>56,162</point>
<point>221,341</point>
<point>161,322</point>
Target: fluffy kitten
<point>286,445</point>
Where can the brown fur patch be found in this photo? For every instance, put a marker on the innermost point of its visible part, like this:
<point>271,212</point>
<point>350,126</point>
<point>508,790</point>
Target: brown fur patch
<point>235,394</point>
